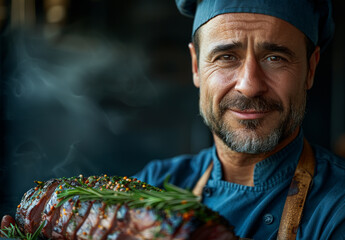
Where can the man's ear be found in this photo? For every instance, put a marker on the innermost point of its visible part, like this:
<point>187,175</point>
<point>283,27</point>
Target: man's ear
<point>195,68</point>
<point>313,61</point>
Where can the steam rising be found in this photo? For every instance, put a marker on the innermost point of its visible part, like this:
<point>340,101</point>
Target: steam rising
<point>61,97</point>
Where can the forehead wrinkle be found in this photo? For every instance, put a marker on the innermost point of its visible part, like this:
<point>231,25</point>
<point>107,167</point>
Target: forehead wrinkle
<point>218,48</point>
<point>274,47</point>
<point>239,21</point>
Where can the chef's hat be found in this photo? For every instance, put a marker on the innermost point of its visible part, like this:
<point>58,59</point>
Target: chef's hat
<point>312,17</point>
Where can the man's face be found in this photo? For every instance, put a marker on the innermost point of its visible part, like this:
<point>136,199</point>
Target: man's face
<point>253,75</point>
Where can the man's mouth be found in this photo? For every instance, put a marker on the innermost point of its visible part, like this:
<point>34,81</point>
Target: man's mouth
<point>244,108</point>
<point>249,114</point>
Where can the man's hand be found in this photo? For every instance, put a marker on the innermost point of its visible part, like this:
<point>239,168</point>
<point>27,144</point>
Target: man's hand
<point>6,221</point>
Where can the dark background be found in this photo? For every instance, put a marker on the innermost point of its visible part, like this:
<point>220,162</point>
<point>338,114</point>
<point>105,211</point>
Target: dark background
<point>102,86</point>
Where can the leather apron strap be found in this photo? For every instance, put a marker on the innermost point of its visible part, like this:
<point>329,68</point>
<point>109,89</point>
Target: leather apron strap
<point>299,187</point>
<point>199,186</point>
<point>297,194</point>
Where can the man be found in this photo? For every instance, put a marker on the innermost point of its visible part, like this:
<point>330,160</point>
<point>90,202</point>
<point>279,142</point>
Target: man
<point>254,62</point>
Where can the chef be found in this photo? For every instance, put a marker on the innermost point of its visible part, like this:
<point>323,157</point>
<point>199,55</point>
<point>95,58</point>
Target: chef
<point>253,62</point>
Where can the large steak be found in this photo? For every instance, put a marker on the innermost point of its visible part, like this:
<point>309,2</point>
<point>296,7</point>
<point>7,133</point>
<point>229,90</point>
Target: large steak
<point>103,207</point>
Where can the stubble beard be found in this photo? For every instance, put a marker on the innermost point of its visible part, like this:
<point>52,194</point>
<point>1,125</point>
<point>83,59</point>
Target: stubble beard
<point>249,138</point>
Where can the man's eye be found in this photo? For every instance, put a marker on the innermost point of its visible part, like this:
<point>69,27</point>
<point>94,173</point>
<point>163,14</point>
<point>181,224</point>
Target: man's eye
<point>274,59</point>
<point>227,57</point>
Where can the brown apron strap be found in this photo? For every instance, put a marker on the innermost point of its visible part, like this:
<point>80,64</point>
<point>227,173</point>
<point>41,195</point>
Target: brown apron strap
<point>297,195</point>
<point>197,190</point>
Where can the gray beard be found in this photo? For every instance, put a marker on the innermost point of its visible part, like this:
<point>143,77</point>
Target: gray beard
<point>248,140</point>
<point>253,144</point>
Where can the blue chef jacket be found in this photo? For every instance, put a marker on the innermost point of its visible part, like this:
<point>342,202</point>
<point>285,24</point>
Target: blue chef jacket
<point>255,212</point>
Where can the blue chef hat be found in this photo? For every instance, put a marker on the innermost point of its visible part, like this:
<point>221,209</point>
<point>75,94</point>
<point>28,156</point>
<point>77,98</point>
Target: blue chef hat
<point>312,17</point>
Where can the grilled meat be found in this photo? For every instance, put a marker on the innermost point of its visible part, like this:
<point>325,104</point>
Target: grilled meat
<point>100,220</point>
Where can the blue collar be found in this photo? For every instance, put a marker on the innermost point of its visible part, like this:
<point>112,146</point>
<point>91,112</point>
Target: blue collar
<point>271,170</point>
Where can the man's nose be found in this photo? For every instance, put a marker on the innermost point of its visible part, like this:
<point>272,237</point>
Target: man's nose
<point>251,79</point>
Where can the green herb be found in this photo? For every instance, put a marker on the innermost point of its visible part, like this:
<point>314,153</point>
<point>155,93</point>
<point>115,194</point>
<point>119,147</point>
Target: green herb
<point>14,232</point>
<point>173,198</point>
<point>137,194</point>
<point>9,232</point>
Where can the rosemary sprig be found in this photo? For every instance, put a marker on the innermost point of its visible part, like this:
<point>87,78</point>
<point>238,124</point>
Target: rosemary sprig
<point>173,198</point>
<point>9,232</point>
<point>14,232</point>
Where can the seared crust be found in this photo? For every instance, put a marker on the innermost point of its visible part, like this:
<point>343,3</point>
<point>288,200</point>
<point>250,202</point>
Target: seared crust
<point>31,208</point>
<point>107,222</point>
<point>23,208</point>
<point>77,219</point>
<point>65,214</point>
<point>91,221</point>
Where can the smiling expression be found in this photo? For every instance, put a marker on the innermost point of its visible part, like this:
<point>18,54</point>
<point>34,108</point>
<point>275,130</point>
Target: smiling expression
<point>253,74</point>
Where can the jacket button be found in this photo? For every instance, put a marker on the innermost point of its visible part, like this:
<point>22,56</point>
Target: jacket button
<point>268,218</point>
<point>207,192</point>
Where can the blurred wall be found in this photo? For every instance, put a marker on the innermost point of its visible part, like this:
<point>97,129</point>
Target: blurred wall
<point>102,86</point>
<point>93,87</point>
